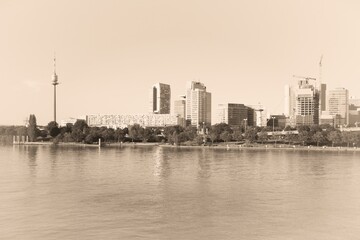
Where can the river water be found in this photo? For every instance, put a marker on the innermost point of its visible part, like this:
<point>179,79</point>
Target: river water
<point>49,192</point>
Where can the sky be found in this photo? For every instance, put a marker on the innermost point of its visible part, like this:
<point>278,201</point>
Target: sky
<point>110,52</point>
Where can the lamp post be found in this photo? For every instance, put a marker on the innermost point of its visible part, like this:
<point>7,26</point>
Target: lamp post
<point>273,122</point>
<point>245,123</point>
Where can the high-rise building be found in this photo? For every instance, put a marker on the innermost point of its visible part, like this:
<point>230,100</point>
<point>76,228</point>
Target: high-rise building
<point>354,111</point>
<point>236,114</point>
<point>160,95</point>
<point>338,105</point>
<point>260,115</point>
<point>322,97</point>
<point>180,111</point>
<point>302,103</point>
<point>198,104</point>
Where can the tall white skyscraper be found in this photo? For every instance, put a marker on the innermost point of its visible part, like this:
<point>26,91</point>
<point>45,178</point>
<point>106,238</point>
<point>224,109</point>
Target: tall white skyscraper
<point>160,95</point>
<point>198,104</point>
<point>338,105</point>
<point>302,103</point>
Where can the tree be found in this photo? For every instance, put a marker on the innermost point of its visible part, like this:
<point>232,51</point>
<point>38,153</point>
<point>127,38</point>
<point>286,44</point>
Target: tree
<point>225,136</point>
<point>334,137</point>
<point>190,133</point>
<point>250,135</point>
<point>10,131</point>
<point>135,131</point>
<point>199,140</point>
<point>263,136</point>
<point>213,136</point>
<point>21,131</point>
<point>289,137</point>
<point>93,135</point>
<point>119,135</point>
<point>287,128</point>
<point>69,127</point>
<point>349,137</point>
<point>53,129</point>
<point>79,130</point>
<point>318,137</point>
<point>32,133</point>
<point>108,134</point>
<point>237,135</point>
<point>67,137</point>
<point>303,137</point>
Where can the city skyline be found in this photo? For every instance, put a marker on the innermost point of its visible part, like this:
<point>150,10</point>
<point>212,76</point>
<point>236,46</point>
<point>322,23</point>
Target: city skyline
<point>110,53</point>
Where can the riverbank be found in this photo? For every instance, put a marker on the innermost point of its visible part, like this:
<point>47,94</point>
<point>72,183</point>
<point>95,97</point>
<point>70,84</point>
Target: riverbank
<point>271,147</point>
<point>230,146</point>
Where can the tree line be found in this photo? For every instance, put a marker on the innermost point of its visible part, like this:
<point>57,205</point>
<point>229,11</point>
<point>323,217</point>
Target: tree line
<point>319,135</point>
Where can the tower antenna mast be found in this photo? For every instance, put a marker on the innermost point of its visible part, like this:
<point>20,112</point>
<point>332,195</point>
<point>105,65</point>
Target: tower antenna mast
<point>55,83</point>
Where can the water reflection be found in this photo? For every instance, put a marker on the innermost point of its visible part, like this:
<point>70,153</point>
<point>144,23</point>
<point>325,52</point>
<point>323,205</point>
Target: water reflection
<point>204,163</point>
<point>31,152</point>
<point>161,163</point>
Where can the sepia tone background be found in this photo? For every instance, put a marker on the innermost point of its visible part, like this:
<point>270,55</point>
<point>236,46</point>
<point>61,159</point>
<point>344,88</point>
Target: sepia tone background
<point>109,53</point>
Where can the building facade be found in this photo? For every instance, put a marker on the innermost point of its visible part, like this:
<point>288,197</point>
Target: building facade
<point>236,115</point>
<point>198,104</point>
<point>338,105</point>
<point>121,121</point>
<point>160,95</point>
<point>180,111</point>
<point>260,115</point>
<point>302,103</point>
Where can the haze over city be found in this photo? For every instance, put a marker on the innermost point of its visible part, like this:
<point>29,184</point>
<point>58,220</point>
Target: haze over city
<point>109,53</point>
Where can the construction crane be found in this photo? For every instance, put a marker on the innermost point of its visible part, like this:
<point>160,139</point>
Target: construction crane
<point>306,78</point>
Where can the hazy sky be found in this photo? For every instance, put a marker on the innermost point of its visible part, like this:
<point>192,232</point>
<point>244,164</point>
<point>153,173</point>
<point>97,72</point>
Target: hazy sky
<point>109,53</point>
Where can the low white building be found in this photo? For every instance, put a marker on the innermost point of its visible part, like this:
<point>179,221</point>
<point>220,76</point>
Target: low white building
<point>121,121</point>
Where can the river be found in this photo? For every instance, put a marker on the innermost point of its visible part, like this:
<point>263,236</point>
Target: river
<point>50,192</point>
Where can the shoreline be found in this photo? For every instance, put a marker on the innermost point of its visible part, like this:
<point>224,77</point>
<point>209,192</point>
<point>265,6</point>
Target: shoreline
<point>270,147</point>
<point>222,146</point>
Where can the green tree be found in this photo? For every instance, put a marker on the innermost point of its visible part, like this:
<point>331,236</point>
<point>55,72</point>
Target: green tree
<point>32,133</point>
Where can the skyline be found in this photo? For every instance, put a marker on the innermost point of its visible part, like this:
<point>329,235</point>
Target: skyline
<point>243,52</point>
